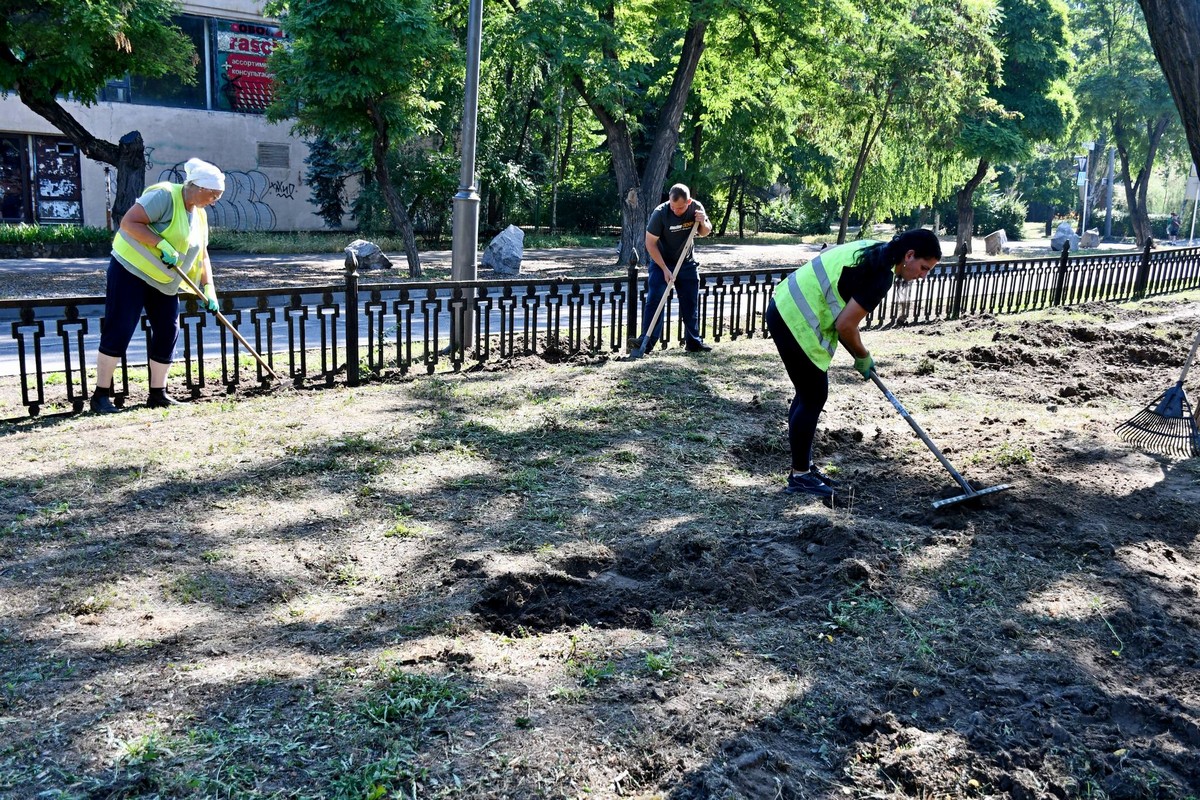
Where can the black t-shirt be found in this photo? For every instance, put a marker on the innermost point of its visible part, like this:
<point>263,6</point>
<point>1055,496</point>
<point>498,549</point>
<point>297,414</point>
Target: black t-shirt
<point>672,231</point>
<point>865,284</point>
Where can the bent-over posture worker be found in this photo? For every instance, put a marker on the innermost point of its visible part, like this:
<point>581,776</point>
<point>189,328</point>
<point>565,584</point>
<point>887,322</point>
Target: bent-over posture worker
<point>167,225</point>
<point>818,306</point>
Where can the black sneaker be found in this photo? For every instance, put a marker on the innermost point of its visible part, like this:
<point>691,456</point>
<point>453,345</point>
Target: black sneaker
<point>807,483</point>
<point>698,346</point>
<point>823,478</point>
<point>160,399</point>
<point>101,402</point>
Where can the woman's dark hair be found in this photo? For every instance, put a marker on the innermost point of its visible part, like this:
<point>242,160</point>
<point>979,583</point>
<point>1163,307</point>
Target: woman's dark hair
<point>885,255</point>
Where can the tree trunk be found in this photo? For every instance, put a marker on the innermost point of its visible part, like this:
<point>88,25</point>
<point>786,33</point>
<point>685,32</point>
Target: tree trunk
<point>1174,27</point>
<point>639,193</point>
<point>129,156</point>
<point>1135,190</point>
<point>966,210</point>
<point>741,205</point>
<point>860,166</point>
<point>733,188</point>
<point>554,173</point>
<point>380,147</point>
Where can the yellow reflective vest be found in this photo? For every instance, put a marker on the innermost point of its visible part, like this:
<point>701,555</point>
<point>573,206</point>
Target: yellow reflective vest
<point>809,302</point>
<point>188,233</point>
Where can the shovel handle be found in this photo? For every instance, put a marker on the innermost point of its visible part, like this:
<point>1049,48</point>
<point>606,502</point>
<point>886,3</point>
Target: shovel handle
<point>229,325</point>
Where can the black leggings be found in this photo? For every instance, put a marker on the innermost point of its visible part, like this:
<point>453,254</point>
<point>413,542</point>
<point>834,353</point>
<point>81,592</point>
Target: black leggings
<point>126,297</point>
<point>812,390</point>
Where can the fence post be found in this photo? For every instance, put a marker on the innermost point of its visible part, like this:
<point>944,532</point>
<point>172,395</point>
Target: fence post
<point>1143,274</point>
<point>1060,282</point>
<point>351,312</point>
<point>631,303</point>
<point>960,277</point>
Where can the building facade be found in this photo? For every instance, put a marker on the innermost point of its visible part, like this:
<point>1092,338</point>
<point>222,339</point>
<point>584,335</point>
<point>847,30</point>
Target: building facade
<point>44,179</point>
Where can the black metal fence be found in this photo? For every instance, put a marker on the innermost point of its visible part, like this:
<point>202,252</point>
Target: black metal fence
<point>354,332</point>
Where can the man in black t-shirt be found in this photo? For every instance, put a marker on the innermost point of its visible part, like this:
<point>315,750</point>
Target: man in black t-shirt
<point>666,234</point>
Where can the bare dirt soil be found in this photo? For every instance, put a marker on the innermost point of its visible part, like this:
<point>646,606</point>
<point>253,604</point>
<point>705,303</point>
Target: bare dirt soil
<point>581,579</point>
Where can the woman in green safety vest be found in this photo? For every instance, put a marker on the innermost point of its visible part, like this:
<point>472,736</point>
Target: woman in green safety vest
<point>163,234</point>
<point>822,303</point>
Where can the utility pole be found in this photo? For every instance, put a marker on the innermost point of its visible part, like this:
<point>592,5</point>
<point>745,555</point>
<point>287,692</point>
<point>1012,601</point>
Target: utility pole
<point>465,225</point>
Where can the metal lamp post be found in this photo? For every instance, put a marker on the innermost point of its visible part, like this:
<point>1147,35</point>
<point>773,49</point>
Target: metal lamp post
<point>465,230</point>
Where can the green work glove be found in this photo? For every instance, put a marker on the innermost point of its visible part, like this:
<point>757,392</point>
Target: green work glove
<point>210,297</point>
<point>169,254</point>
<point>864,366</point>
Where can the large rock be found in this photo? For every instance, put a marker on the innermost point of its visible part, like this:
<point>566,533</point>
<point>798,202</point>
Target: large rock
<point>1090,239</point>
<point>996,242</point>
<point>503,254</point>
<point>1064,233</point>
<point>369,255</point>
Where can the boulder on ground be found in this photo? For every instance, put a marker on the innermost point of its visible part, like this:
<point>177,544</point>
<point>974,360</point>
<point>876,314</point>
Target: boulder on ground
<point>996,242</point>
<point>1064,234</point>
<point>503,254</point>
<point>1090,239</point>
<point>369,255</point>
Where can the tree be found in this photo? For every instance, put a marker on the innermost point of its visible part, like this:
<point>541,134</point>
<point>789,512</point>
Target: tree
<point>1174,29</point>
<point>1121,88</point>
<point>52,49</point>
<point>897,72</point>
<point>1028,105</point>
<point>357,70</point>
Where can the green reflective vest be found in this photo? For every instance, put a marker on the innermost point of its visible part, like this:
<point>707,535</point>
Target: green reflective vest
<point>188,236</point>
<point>809,303</point>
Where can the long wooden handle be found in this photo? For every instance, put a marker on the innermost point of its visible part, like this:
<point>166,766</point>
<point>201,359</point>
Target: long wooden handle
<point>229,325</point>
<point>1191,357</point>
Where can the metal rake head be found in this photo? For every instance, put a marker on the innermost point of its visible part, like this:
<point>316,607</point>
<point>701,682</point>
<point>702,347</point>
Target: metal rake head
<point>1166,426</point>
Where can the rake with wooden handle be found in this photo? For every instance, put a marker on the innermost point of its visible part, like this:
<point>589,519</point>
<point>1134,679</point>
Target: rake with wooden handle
<point>229,325</point>
<point>1168,424</point>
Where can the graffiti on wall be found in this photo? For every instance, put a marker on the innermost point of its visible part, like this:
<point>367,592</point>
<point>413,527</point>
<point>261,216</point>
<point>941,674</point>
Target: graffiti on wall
<point>243,206</point>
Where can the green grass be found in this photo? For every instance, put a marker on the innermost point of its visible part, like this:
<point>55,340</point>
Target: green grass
<point>53,234</point>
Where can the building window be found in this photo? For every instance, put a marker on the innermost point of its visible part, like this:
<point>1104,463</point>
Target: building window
<point>169,90</point>
<point>242,80</point>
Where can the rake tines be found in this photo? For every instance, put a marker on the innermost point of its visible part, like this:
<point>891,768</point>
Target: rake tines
<point>1166,426</point>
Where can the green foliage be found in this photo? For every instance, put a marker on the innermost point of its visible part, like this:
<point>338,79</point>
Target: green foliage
<point>412,699</point>
<point>54,234</point>
<point>996,210</point>
<point>993,211</point>
<point>329,165</point>
<point>59,48</point>
<point>790,215</point>
<point>895,75</point>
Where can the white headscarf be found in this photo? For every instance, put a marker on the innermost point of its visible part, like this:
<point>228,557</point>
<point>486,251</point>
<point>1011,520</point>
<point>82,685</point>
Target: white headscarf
<point>204,175</point>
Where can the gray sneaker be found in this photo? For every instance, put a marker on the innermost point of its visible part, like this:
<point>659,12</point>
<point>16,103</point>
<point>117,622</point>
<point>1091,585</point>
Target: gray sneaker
<point>807,483</point>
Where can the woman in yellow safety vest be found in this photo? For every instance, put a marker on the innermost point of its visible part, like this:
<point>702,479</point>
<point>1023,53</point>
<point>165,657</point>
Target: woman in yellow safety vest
<point>822,303</point>
<point>164,233</point>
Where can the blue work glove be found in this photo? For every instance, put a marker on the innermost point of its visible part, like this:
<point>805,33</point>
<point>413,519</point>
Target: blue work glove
<point>210,297</point>
<point>169,254</point>
<point>864,366</point>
